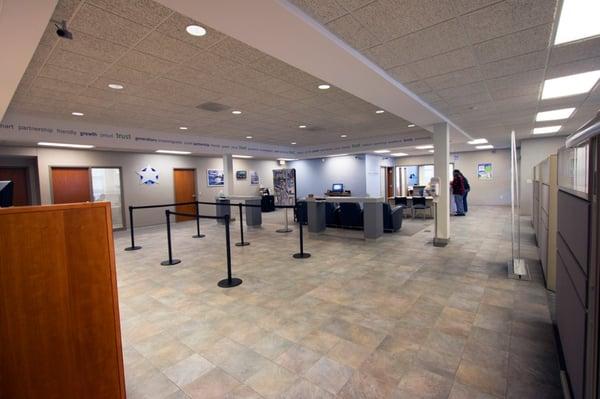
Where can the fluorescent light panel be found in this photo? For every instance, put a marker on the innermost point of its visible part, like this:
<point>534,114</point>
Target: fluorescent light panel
<point>65,145</point>
<point>399,154</point>
<point>477,141</point>
<point>554,115</point>
<point>173,152</point>
<point>570,85</point>
<point>578,20</point>
<point>485,147</point>
<point>381,151</point>
<point>546,129</point>
<point>424,147</point>
<point>242,156</point>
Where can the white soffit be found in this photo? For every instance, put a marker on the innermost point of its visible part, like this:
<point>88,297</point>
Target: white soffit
<point>284,32</point>
<point>22,24</point>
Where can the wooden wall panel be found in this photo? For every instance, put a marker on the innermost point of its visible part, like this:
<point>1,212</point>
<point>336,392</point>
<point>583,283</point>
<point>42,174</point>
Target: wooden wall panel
<point>19,176</point>
<point>59,317</point>
<point>185,191</point>
<point>71,185</point>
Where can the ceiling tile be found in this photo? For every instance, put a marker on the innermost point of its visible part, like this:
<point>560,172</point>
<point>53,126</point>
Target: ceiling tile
<point>237,51</point>
<point>146,12</point>
<point>462,91</point>
<point>465,6</point>
<point>66,75</point>
<point>455,78</point>
<point>105,25</point>
<point>585,65</point>
<point>403,73</point>
<point>175,28</point>
<point>440,64</point>
<point>166,47</point>
<point>352,32</point>
<point>352,5</point>
<point>418,87</point>
<point>126,76</point>
<point>207,62</point>
<point>76,62</point>
<point>509,66</point>
<point>92,47</point>
<point>323,10</point>
<point>518,43</point>
<point>575,51</point>
<point>58,85</point>
<point>146,63</point>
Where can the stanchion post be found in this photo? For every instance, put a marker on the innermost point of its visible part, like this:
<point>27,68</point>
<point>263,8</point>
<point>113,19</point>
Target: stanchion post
<point>229,281</point>
<point>198,235</point>
<point>242,243</point>
<point>170,261</point>
<point>301,254</point>
<point>133,247</point>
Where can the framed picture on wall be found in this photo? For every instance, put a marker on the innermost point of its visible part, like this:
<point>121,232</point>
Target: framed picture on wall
<point>484,171</point>
<point>216,177</point>
<point>254,177</point>
<point>240,175</point>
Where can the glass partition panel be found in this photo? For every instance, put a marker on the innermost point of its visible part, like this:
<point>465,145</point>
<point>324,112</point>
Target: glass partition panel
<point>573,170</point>
<point>106,186</point>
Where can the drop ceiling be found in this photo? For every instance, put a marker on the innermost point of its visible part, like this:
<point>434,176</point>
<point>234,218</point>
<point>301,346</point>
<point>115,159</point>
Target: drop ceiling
<point>168,73</point>
<point>479,62</point>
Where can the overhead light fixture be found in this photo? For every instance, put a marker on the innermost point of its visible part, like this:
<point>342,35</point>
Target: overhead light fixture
<point>195,30</point>
<point>477,141</point>
<point>236,112</point>
<point>183,128</point>
<point>324,87</point>
<point>424,147</point>
<point>293,143</point>
<point>381,151</point>
<point>249,137</point>
<point>411,125</point>
<point>116,86</point>
<point>64,145</point>
<point>399,154</point>
<point>555,115</point>
<point>77,113</point>
<point>343,136</point>
<point>173,152</point>
<point>242,156</point>
<point>379,111</point>
<point>302,126</point>
<point>570,85</point>
<point>546,129</point>
<point>287,159</point>
<point>485,147</point>
<point>337,155</point>
<point>431,151</point>
<point>578,20</point>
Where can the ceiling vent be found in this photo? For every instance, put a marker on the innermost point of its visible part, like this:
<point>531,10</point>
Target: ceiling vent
<point>213,107</point>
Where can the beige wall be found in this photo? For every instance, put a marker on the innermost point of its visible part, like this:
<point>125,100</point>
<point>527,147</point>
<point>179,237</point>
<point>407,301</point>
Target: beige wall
<point>140,194</point>
<point>483,192</point>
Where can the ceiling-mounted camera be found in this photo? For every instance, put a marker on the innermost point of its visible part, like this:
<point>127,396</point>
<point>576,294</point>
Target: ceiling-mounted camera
<point>62,31</point>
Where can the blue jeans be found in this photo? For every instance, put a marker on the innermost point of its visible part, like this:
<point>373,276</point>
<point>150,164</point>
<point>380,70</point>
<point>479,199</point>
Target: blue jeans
<point>458,199</point>
<point>465,206</point>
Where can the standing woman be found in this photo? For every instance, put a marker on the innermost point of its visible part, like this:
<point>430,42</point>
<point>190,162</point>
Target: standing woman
<point>458,192</point>
<point>467,189</point>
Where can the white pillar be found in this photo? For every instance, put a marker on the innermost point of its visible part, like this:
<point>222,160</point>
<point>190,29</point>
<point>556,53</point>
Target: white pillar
<point>228,174</point>
<point>441,159</point>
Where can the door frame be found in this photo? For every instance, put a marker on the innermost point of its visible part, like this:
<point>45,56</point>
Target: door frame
<point>195,184</point>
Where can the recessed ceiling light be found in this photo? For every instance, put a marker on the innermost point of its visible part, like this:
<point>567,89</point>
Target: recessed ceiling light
<point>485,147</point>
<point>578,20</point>
<point>554,115</point>
<point>381,151</point>
<point>77,113</point>
<point>173,152</point>
<point>324,87</point>
<point>570,85</point>
<point>195,30</point>
<point>424,147</point>
<point>242,156</point>
<point>287,159</point>
<point>293,143</point>
<point>343,136</point>
<point>411,125</point>
<point>46,144</point>
<point>399,154</point>
<point>546,129</point>
<point>236,112</point>
<point>431,151</point>
<point>249,137</point>
<point>116,86</point>
<point>183,128</point>
<point>379,111</point>
<point>477,141</point>
<point>302,126</point>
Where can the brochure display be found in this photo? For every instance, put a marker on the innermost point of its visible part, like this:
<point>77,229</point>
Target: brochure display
<point>284,184</point>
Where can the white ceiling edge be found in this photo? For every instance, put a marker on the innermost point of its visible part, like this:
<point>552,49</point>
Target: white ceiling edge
<point>283,31</point>
<point>22,24</point>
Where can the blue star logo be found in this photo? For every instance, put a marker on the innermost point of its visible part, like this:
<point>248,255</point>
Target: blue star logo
<point>148,175</point>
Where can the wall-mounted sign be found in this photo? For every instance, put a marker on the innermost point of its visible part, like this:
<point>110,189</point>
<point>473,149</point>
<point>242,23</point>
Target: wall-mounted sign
<point>148,175</point>
<point>240,175</point>
<point>484,171</point>
<point>254,177</point>
<point>216,177</point>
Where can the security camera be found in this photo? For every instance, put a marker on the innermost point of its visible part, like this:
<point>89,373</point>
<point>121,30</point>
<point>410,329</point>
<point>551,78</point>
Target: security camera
<point>62,31</point>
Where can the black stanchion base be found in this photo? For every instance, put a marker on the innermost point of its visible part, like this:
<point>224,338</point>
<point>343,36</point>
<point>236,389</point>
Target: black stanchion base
<point>170,263</point>
<point>226,283</point>
<point>284,230</point>
<point>135,248</point>
<point>199,236</point>
<point>241,244</point>
<point>303,255</point>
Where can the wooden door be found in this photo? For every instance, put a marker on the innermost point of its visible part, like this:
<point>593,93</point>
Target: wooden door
<point>390,182</point>
<point>185,191</point>
<point>71,185</point>
<point>19,177</point>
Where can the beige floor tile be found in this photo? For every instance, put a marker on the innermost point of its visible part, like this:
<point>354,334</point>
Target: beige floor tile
<point>272,380</point>
<point>329,375</point>
<point>298,359</point>
<point>188,369</point>
<point>212,385</point>
<point>349,354</point>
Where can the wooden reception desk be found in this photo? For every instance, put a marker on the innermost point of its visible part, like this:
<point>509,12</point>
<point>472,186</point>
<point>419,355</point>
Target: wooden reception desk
<point>59,316</point>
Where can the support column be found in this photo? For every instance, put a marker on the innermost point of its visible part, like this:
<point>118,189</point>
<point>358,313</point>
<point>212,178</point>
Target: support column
<point>228,174</point>
<point>441,159</point>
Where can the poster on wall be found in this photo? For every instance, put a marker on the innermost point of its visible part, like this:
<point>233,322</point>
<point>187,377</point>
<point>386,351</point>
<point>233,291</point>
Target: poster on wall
<point>254,177</point>
<point>148,175</point>
<point>216,177</point>
<point>484,171</point>
<point>284,184</point>
<point>240,175</point>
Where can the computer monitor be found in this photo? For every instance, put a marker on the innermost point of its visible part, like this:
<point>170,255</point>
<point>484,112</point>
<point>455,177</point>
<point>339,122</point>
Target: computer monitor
<point>6,193</point>
<point>337,188</point>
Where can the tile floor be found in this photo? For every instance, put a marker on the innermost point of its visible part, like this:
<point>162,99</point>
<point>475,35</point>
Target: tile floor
<point>393,318</point>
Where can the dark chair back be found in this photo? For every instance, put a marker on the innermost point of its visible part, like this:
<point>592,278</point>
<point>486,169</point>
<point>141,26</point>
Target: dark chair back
<point>419,201</point>
<point>332,214</point>
<point>351,215</point>
<point>401,201</point>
